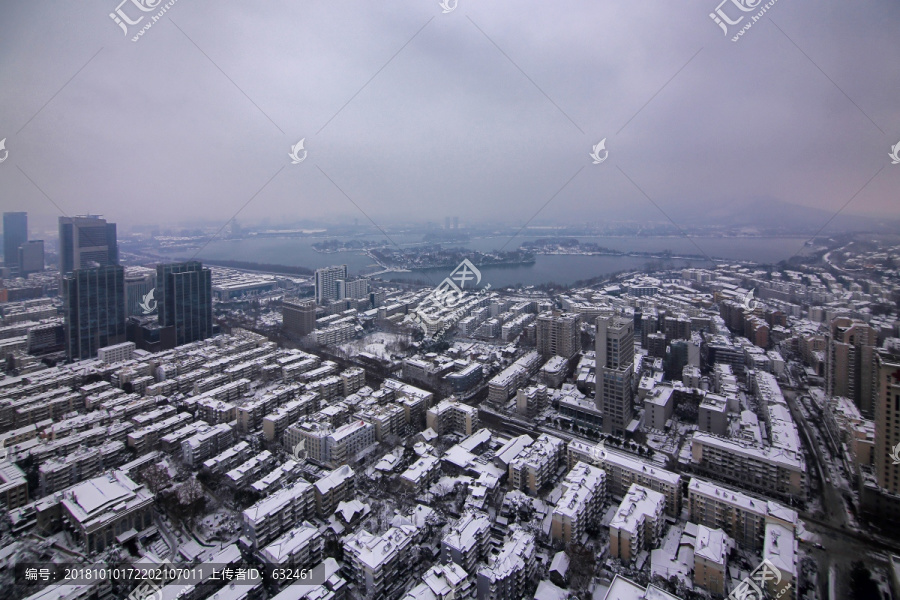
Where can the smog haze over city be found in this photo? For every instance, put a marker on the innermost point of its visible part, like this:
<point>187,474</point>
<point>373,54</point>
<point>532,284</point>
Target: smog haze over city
<point>450,300</point>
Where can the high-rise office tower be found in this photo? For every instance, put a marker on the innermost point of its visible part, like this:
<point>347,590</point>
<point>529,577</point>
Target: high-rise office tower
<point>352,288</point>
<point>558,335</point>
<point>31,257</point>
<point>184,296</point>
<point>326,283</point>
<point>140,297</point>
<point>614,394</point>
<point>298,316</point>
<point>94,304</point>
<point>849,356</point>
<point>85,242</point>
<point>887,417</point>
<point>15,233</point>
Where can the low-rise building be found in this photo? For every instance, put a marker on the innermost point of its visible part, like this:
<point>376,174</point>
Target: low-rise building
<point>623,588</point>
<point>330,447</point>
<point>298,548</point>
<point>580,506</point>
<point>206,443</point>
<point>443,582</point>
<point>658,407</point>
<point>507,573</point>
<point>781,551</point>
<point>388,419</point>
<point>623,470</point>
<point>713,415</point>
<point>421,473</point>
<point>467,541</point>
<point>279,476</point>
<point>272,516</point>
<point>335,487</point>
<point>506,382</point>
<point>711,551</point>
<point>99,509</point>
<point>451,415</point>
<point>249,470</point>
<point>536,465</point>
<point>532,400</point>
<point>13,486</point>
<point>767,470</point>
<point>638,523</point>
<point>378,565</point>
<point>740,515</point>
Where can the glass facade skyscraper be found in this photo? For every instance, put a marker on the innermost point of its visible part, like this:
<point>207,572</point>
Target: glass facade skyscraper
<point>15,233</point>
<point>94,303</point>
<point>184,296</point>
<point>86,242</point>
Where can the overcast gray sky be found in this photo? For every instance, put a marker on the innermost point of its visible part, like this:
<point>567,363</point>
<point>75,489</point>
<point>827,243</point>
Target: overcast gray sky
<point>184,125</point>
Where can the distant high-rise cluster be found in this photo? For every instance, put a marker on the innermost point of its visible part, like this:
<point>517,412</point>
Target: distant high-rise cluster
<point>334,283</point>
<point>21,256</point>
<point>99,296</point>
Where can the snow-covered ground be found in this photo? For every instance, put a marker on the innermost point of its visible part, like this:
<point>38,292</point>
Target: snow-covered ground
<point>376,344</point>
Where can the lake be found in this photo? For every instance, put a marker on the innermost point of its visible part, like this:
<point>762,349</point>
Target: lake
<point>561,269</point>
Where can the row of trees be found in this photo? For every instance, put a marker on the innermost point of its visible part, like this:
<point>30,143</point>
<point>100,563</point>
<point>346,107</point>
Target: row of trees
<point>593,434</point>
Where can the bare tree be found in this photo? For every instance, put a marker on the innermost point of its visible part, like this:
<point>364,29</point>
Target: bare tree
<point>191,498</point>
<point>156,476</point>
